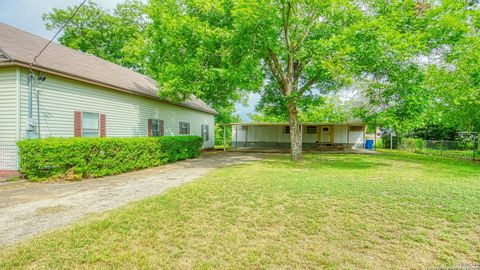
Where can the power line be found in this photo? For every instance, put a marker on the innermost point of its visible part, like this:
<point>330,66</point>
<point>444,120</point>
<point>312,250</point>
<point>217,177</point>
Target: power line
<point>55,36</point>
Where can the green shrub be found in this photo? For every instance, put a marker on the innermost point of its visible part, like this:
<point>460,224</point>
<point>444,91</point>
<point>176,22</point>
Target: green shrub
<point>76,158</point>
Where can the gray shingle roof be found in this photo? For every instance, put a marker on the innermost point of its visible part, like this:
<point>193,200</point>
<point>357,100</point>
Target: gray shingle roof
<point>21,47</point>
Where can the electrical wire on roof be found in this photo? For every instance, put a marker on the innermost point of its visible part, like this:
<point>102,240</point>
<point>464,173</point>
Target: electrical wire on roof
<point>55,36</point>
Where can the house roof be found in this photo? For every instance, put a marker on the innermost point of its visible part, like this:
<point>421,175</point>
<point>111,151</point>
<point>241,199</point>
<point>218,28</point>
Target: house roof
<point>18,47</point>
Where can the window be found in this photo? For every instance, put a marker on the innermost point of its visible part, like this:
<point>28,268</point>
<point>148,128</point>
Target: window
<point>90,124</point>
<point>286,129</point>
<point>184,128</point>
<point>205,132</point>
<point>325,129</point>
<point>311,129</point>
<point>356,128</point>
<point>155,128</point>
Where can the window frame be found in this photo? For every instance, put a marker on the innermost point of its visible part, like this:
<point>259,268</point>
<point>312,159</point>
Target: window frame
<point>205,132</point>
<point>308,129</point>
<point>159,131</point>
<point>356,128</point>
<point>91,129</point>
<point>286,129</point>
<point>184,128</point>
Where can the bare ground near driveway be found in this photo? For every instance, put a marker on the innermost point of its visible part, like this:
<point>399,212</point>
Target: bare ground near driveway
<point>28,209</point>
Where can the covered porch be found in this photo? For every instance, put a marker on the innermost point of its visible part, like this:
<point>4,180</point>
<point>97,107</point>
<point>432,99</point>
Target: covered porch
<point>315,136</point>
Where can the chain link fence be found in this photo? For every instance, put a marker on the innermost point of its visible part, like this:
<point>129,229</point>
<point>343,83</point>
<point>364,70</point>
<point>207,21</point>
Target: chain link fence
<point>455,149</point>
<point>8,157</point>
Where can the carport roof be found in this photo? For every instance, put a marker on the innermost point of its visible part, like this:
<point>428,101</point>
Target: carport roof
<point>303,124</point>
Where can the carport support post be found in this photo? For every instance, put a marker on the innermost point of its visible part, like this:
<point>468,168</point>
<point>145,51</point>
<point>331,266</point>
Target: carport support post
<point>364,134</point>
<point>301,135</point>
<point>348,136</point>
<point>375,139</point>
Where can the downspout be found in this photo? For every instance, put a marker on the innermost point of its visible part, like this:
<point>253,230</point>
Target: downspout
<point>38,112</point>
<point>30,96</point>
<point>30,124</point>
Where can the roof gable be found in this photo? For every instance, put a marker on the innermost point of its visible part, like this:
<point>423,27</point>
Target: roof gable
<point>4,57</point>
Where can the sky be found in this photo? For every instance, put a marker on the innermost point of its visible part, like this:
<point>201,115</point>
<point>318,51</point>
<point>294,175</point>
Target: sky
<point>27,15</point>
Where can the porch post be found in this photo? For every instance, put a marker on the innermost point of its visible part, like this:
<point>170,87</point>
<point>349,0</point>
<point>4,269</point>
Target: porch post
<point>301,135</point>
<point>364,133</point>
<point>236,136</point>
<point>348,137</point>
<point>375,147</point>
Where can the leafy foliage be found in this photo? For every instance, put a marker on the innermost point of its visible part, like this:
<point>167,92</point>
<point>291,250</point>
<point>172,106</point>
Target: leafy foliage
<point>117,36</point>
<point>76,158</point>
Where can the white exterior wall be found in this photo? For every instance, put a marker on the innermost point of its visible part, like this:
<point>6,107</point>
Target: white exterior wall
<point>8,118</point>
<point>8,106</point>
<point>275,134</point>
<point>356,137</point>
<point>127,114</point>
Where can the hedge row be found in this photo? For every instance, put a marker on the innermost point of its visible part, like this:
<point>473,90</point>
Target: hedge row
<point>76,158</point>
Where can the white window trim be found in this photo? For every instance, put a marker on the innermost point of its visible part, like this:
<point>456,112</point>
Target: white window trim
<point>98,124</point>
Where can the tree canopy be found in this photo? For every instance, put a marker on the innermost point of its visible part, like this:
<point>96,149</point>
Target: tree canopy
<point>415,62</point>
<point>115,35</point>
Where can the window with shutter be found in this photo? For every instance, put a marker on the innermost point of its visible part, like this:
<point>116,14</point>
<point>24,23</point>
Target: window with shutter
<point>184,128</point>
<point>155,128</point>
<point>90,124</point>
<point>205,133</point>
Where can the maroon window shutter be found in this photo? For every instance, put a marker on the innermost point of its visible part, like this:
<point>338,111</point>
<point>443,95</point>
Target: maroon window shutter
<point>103,125</point>
<point>162,129</point>
<point>77,124</point>
<point>150,127</point>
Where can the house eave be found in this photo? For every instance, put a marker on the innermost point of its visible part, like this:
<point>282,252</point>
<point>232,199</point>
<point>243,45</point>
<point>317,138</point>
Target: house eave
<point>15,63</point>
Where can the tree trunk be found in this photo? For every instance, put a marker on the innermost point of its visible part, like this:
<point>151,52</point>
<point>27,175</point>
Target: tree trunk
<point>295,132</point>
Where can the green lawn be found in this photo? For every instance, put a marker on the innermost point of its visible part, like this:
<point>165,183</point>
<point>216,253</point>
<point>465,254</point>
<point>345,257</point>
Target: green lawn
<point>329,211</point>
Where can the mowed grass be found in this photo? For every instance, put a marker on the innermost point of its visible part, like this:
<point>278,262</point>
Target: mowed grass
<point>330,211</point>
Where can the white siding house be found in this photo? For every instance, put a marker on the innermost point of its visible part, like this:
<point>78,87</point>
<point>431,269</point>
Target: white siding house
<point>82,95</point>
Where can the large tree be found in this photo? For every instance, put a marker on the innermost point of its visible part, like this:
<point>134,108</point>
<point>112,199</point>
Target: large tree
<point>292,51</point>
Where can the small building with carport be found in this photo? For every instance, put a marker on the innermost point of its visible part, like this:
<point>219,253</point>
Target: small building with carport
<point>324,136</point>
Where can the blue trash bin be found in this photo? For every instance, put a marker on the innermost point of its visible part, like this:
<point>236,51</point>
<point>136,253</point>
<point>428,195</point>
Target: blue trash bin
<point>369,144</point>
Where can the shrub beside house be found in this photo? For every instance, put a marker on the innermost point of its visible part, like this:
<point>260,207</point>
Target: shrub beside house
<point>76,158</point>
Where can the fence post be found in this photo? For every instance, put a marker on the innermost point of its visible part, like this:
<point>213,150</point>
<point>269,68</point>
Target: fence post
<point>441,148</point>
<point>224,138</point>
<point>475,147</point>
<point>391,141</point>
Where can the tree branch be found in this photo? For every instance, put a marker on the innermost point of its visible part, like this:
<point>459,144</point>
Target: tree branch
<point>286,26</point>
<point>313,17</point>
<point>307,86</point>
<point>276,69</point>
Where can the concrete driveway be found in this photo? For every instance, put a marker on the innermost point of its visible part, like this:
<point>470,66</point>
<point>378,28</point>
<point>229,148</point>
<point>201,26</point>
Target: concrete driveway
<point>27,209</point>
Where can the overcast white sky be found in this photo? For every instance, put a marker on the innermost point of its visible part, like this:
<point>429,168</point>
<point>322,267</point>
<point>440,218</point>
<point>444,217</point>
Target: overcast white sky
<point>27,15</point>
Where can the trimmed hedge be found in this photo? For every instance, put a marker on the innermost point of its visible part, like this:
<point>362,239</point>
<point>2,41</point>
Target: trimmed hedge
<point>76,158</point>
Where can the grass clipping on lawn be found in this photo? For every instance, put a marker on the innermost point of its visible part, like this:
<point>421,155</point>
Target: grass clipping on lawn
<point>328,211</point>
